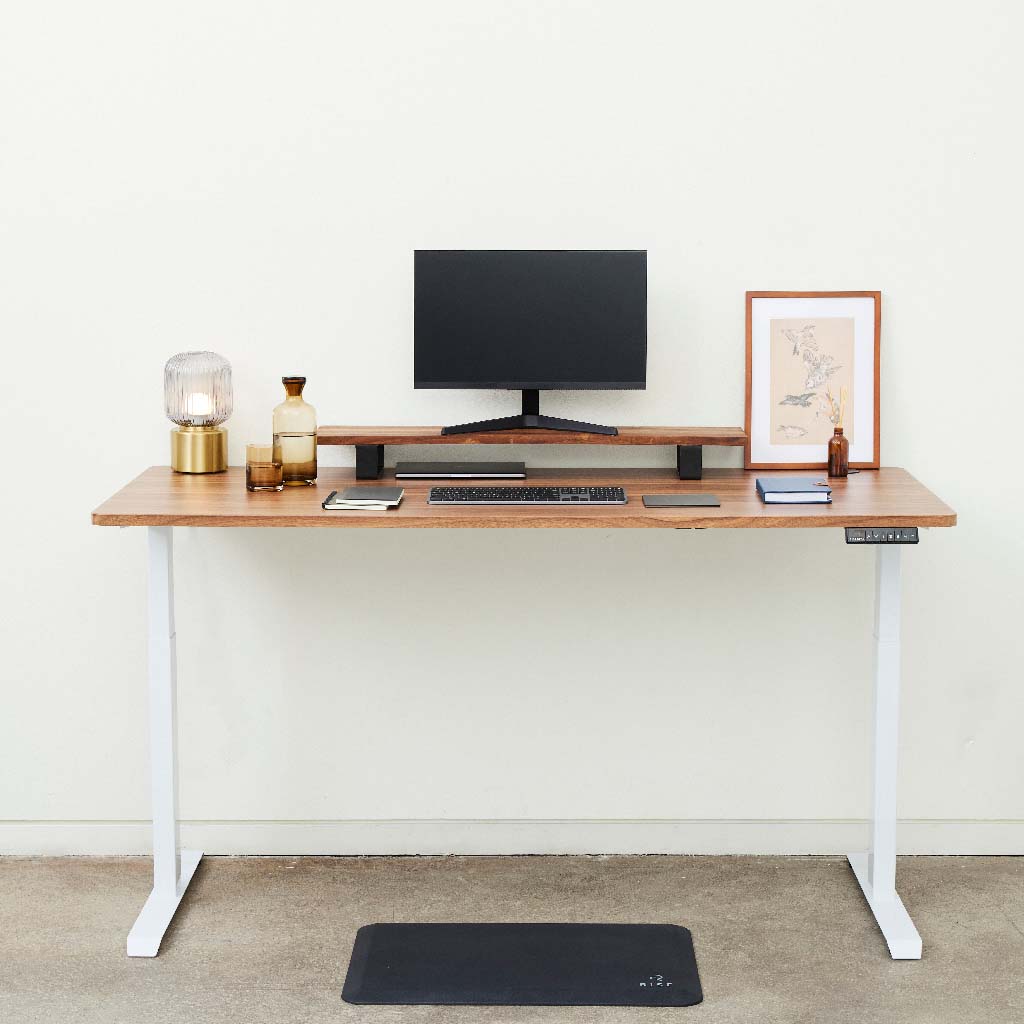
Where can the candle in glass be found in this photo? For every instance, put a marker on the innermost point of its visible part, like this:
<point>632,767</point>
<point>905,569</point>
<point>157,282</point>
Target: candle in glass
<point>262,470</point>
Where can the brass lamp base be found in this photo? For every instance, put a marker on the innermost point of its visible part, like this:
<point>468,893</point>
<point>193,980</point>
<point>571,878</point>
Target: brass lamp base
<point>199,449</point>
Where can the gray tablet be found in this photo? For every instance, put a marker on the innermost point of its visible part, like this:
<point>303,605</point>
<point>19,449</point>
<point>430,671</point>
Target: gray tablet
<point>681,501</point>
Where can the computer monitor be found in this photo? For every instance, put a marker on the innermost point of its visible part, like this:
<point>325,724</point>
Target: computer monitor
<point>531,320</point>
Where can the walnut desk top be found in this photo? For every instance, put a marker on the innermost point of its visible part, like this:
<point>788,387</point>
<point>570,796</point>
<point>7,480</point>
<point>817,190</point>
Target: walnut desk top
<point>883,497</point>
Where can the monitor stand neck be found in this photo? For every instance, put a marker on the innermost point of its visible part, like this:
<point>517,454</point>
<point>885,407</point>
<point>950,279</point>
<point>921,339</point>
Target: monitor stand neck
<point>530,419</point>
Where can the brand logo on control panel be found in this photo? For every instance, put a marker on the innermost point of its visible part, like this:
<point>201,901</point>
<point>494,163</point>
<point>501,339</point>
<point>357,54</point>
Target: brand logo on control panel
<point>656,981</point>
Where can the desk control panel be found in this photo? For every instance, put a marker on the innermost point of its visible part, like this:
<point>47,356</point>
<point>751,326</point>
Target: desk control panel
<point>881,535</point>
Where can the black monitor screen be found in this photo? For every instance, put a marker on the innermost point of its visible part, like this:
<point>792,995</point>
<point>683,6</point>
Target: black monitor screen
<point>530,319</point>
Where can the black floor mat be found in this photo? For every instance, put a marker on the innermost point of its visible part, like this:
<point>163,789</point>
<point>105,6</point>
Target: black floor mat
<point>523,965</point>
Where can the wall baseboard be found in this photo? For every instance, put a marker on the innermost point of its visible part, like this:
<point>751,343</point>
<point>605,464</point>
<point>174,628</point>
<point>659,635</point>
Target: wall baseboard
<point>479,837</point>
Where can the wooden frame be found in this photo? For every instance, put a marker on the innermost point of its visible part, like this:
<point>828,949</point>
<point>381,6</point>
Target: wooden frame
<point>748,460</point>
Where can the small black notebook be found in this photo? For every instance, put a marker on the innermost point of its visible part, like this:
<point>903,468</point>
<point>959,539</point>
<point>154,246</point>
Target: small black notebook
<point>370,498</point>
<point>523,965</point>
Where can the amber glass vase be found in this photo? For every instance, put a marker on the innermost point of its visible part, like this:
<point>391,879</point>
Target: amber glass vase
<point>838,454</point>
<point>295,435</point>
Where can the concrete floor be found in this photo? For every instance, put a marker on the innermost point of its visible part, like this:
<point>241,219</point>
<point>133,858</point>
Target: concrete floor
<point>267,939</point>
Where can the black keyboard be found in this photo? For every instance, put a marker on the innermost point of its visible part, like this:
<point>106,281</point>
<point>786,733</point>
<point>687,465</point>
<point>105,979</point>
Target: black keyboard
<point>527,496</point>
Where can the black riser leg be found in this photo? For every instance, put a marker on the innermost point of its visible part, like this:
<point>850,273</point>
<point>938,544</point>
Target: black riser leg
<point>689,461</point>
<point>369,461</point>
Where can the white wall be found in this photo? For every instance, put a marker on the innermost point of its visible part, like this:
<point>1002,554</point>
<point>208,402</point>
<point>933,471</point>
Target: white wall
<point>253,178</point>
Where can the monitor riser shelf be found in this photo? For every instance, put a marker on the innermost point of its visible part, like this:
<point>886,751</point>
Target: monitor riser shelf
<point>370,442</point>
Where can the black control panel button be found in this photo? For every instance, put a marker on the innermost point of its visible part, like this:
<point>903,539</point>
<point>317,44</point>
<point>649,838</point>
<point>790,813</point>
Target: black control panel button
<point>881,535</point>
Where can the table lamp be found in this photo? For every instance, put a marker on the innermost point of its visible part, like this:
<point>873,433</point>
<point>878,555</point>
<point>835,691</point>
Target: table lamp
<point>197,396</point>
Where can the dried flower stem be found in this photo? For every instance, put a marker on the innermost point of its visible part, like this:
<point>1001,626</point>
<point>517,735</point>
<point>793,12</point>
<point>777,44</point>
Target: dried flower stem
<point>837,410</point>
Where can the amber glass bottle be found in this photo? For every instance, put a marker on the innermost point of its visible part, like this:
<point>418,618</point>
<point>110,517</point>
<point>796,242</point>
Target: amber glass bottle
<point>838,454</point>
<point>295,435</point>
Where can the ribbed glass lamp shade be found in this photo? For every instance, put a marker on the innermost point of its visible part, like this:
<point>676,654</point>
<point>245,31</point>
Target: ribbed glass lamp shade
<point>197,389</point>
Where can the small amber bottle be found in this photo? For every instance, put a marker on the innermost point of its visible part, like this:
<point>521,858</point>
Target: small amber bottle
<point>295,435</point>
<point>838,454</point>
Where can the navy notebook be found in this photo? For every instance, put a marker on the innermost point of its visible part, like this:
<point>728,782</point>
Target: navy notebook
<point>793,490</point>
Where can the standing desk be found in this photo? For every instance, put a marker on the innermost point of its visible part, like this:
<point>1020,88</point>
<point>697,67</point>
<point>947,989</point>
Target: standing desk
<point>161,500</point>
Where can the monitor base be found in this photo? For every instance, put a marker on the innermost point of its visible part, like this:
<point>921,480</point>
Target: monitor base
<point>530,419</point>
<point>530,423</point>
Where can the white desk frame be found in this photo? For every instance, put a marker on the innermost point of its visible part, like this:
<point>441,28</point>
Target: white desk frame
<point>173,867</point>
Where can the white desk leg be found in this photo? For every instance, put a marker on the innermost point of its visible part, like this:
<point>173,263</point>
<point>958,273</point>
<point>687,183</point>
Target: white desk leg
<point>876,869</point>
<point>172,868</point>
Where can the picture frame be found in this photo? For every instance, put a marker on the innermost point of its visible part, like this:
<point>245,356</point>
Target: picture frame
<point>812,359</point>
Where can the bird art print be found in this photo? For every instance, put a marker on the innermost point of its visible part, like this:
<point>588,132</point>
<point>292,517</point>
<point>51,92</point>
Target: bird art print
<point>811,362</point>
